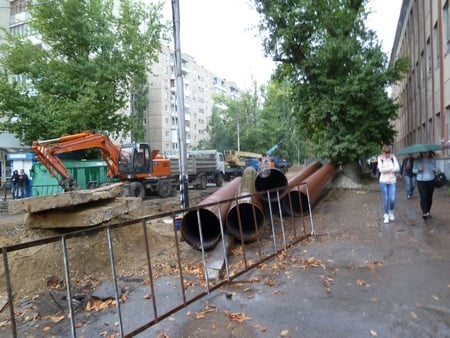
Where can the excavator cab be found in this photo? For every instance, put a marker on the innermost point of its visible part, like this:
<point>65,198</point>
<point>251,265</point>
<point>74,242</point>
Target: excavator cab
<point>135,159</point>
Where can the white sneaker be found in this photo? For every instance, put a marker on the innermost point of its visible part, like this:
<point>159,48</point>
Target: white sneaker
<point>386,218</point>
<point>391,215</point>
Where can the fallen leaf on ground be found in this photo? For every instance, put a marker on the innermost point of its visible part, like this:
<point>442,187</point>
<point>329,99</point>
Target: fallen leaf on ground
<point>239,317</point>
<point>361,282</point>
<point>56,319</point>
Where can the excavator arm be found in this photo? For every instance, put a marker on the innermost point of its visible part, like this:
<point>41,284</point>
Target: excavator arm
<point>47,151</point>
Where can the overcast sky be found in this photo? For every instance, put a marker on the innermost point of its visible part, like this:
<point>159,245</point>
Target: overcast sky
<point>221,35</point>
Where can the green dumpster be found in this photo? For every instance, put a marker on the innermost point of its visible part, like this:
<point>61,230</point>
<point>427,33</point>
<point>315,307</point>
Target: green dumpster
<point>88,174</point>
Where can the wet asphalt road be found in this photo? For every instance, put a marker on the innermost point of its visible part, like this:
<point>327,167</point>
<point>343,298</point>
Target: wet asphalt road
<point>383,280</point>
<point>366,279</point>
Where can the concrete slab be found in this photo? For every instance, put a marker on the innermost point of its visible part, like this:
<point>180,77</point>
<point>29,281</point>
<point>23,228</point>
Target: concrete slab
<point>83,215</point>
<point>66,199</point>
<point>216,261</point>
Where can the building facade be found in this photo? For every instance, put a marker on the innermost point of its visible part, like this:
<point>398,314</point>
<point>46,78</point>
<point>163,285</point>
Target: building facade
<point>423,35</point>
<point>200,86</point>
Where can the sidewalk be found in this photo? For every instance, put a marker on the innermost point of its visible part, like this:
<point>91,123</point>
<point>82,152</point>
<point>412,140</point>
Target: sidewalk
<point>368,278</point>
<point>358,277</point>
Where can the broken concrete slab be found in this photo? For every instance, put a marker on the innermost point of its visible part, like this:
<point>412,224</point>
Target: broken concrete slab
<point>80,216</point>
<point>216,261</point>
<point>65,199</point>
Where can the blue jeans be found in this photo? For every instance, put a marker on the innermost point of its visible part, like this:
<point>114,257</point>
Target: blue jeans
<point>388,192</point>
<point>410,184</point>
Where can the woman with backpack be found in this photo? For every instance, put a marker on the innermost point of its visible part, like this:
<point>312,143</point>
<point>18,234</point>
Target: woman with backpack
<point>388,167</point>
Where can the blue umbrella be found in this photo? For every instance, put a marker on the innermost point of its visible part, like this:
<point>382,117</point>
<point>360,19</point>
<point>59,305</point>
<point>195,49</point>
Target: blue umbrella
<point>419,148</point>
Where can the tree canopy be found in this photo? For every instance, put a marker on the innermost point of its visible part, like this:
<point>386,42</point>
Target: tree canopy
<point>80,68</point>
<point>262,119</point>
<point>337,74</point>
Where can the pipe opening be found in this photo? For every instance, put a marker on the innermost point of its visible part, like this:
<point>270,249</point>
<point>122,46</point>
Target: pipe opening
<point>270,179</point>
<point>249,232</point>
<point>210,229</point>
<point>299,202</point>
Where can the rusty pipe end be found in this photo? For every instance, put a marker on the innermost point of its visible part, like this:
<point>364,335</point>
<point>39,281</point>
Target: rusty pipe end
<point>251,219</point>
<point>299,201</point>
<point>271,179</point>
<point>210,228</point>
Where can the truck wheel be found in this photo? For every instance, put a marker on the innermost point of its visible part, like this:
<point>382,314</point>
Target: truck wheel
<point>219,180</point>
<point>136,189</point>
<point>164,188</point>
<point>203,182</point>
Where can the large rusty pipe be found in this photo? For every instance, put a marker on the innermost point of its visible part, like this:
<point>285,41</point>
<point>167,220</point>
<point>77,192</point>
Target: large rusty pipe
<point>272,181</point>
<point>209,218</point>
<point>247,213</point>
<point>301,175</point>
<point>314,185</point>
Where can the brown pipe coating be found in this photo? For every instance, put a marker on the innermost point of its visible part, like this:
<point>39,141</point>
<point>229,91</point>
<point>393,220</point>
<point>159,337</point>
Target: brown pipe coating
<point>301,175</point>
<point>316,182</point>
<point>209,217</point>
<point>247,213</point>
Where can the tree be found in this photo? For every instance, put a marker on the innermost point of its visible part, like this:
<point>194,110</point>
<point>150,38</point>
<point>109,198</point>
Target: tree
<point>91,56</point>
<point>263,115</point>
<point>337,74</point>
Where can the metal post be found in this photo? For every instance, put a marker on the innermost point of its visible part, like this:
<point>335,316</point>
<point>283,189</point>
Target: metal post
<point>184,181</point>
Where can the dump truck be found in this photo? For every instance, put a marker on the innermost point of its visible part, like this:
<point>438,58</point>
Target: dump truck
<point>141,169</point>
<point>203,167</point>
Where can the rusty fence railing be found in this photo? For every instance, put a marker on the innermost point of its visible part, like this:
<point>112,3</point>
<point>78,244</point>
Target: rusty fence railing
<point>73,265</point>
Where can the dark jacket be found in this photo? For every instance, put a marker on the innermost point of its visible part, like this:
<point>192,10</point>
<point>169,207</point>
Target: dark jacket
<point>407,166</point>
<point>23,180</point>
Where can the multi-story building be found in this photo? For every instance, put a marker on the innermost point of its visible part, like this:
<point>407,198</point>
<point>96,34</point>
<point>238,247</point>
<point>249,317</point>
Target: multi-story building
<point>200,85</point>
<point>423,35</point>
<point>9,144</point>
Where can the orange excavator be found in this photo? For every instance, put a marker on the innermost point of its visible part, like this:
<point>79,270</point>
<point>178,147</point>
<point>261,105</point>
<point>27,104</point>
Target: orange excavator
<point>141,169</point>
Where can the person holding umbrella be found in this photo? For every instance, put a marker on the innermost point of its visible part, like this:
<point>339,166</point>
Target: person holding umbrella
<point>388,167</point>
<point>425,168</point>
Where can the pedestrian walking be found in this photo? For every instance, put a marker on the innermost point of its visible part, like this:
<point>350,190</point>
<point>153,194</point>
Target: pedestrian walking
<point>22,184</point>
<point>388,167</point>
<point>14,183</point>
<point>408,175</point>
<point>425,169</point>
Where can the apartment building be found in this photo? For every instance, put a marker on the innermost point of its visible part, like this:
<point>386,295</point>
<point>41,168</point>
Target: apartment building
<point>200,86</point>
<point>423,35</point>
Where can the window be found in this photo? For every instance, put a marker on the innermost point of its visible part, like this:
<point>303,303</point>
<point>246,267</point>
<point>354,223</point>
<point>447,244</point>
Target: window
<point>436,44</point>
<point>447,25</point>
<point>447,118</point>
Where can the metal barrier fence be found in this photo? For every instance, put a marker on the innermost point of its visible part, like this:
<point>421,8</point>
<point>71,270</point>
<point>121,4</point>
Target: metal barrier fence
<point>164,283</point>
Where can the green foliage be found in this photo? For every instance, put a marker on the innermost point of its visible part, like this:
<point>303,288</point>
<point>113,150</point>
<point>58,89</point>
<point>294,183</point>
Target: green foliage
<point>337,73</point>
<point>92,59</point>
<point>264,120</point>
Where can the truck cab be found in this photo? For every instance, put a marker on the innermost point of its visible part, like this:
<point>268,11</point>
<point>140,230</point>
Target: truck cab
<point>135,159</point>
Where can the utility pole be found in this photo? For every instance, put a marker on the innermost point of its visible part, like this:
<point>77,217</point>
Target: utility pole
<point>184,180</point>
